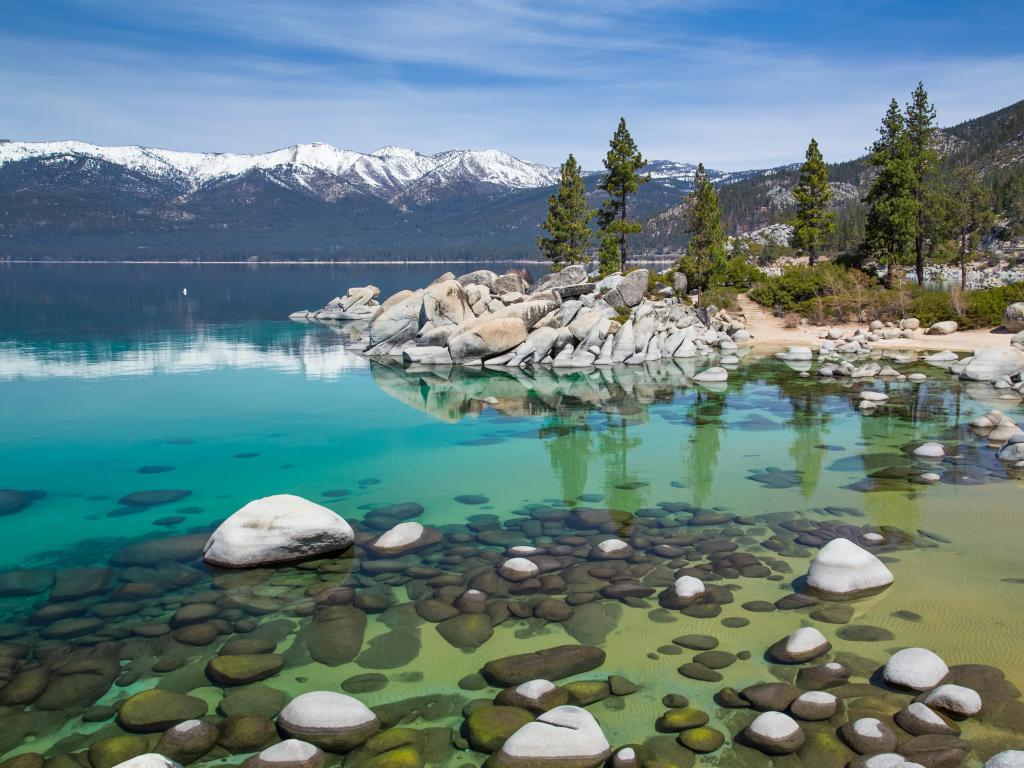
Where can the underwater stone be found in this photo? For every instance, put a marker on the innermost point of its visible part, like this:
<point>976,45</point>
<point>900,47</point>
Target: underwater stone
<point>916,668</point>
<point>331,721</point>
<point>775,733</point>
<point>158,709</point>
<point>549,664</point>
<point>843,569</point>
<point>566,736</point>
<point>291,753</point>
<point>804,644</point>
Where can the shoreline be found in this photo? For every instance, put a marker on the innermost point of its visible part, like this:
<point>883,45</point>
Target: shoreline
<point>304,262</point>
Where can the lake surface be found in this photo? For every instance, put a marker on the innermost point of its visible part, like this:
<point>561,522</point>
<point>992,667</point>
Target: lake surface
<point>113,383</point>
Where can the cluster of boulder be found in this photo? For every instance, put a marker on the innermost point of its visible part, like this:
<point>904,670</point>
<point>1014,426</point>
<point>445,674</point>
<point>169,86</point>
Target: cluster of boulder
<point>565,320</point>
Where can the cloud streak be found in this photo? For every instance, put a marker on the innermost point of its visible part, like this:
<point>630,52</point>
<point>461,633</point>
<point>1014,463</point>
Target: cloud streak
<point>697,81</point>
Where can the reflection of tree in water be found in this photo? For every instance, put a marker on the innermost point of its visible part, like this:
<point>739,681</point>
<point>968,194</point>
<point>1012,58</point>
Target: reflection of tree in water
<point>809,426</point>
<point>705,441</point>
<point>615,443</point>
<point>570,451</point>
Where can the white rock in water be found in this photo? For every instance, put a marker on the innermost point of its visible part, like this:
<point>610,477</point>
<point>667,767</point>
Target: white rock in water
<point>796,353</point>
<point>992,363</point>
<point>805,640</point>
<point>843,568</point>
<point>946,356</point>
<point>149,760</point>
<point>534,689</point>
<point>930,450</point>
<point>564,736</point>
<point>1011,758</point>
<point>873,396</point>
<point>955,699</point>
<point>815,705</point>
<point>775,733</point>
<point>329,720</point>
<point>276,529</point>
<point>712,375</point>
<point>688,587</point>
<point>887,760</point>
<point>917,377</point>
<point>290,753</point>
<point>518,569</point>
<point>916,668</point>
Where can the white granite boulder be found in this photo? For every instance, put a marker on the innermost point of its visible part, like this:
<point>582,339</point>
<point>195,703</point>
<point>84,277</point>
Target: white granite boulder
<point>487,339</point>
<point>815,705</point>
<point>518,569</point>
<point>404,537</point>
<point>804,644</point>
<point>566,736</point>
<point>149,760</point>
<point>331,721</point>
<point>290,753</point>
<point>916,668</point>
<point>843,569</point>
<point>686,590</point>
<point>991,363</point>
<point>957,700</point>
<point>277,529</point>
<point>775,733</point>
<point>1011,758</point>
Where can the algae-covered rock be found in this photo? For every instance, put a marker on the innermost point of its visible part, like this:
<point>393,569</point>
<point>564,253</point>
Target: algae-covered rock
<point>114,750</point>
<point>467,630</point>
<point>702,739</point>
<point>188,741</point>
<point>244,668</point>
<point>246,733</point>
<point>549,664</point>
<point>158,709</point>
<point>489,726</point>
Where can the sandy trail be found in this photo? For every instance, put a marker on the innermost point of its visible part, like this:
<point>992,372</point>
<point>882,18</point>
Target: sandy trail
<point>769,331</point>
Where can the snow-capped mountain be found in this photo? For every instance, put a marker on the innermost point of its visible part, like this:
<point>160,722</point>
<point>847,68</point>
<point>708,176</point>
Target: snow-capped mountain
<point>321,169</point>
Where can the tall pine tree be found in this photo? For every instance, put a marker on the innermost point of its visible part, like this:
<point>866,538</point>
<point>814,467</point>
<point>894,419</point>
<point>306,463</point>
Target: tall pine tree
<point>892,215</point>
<point>814,222</point>
<point>705,250</point>
<point>622,162</point>
<point>568,220</point>
<point>972,215</point>
<point>921,132</point>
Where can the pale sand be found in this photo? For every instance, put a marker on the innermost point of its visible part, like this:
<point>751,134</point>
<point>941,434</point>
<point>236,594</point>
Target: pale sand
<point>769,331</point>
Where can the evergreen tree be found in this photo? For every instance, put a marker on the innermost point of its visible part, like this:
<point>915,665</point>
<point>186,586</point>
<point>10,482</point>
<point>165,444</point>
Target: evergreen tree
<point>609,257</point>
<point>892,217</point>
<point>568,220</point>
<point>924,159</point>
<point>622,162</point>
<point>705,252</point>
<point>814,222</point>
<point>972,215</point>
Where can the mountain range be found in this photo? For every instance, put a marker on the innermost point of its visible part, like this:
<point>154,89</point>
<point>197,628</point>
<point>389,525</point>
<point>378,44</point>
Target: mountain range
<point>73,200</point>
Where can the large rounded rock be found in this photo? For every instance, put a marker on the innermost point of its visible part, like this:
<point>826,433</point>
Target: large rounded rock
<point>549,664</point>
<point>868,735</point>
<point>955,699</point>
<point>916,668</point>
<point>630,289</point>
<point>332,721</point>
<point>802,645</point>
<point>775,734</point>
<point>403,538</point>
<point>158,709</point>
<point>918,719</point>
<point>291,753</point>
<point>188,741</point>
<point>518,569</point>
<point>993,362</point>
<point>276,529</point>
<point>843,569</point>
<point>1013,317</point>
<point>566,736</point>
<point>487,339</point>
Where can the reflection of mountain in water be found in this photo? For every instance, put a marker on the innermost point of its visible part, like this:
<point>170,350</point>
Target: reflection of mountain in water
<point>314,355</point>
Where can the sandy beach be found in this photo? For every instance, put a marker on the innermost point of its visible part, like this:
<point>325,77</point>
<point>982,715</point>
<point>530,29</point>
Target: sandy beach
<point>766,330</point>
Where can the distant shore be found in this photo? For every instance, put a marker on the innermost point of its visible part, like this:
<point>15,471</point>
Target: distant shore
<point>303,262</point>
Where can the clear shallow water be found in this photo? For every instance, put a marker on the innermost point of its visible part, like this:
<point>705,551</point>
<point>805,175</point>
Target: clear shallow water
<point>231,411</point>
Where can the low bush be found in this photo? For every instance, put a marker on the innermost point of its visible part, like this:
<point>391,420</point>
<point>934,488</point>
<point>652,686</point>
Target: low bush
<point>721,296</point>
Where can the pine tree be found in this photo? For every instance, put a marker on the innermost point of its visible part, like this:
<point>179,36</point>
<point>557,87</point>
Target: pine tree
<point>705,250</point>
<point>622,162</point>
<point>814,222</point>
<point>921,132</point>
<point>568,220</point>
<point>609,257</point>
<point>892,217</point>
<point>972,215</point>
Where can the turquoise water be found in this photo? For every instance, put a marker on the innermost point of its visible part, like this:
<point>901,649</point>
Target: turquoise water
<point>232,411</point>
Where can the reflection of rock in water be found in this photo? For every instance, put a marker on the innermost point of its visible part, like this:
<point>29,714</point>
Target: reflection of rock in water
<point>450,393</point>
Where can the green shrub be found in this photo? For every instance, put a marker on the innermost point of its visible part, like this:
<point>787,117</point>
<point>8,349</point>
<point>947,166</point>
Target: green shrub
<point>985,307</point>
<point>736,272</point>
<point>722,297</point>
<point>800,285</point>
<point>933,306</point>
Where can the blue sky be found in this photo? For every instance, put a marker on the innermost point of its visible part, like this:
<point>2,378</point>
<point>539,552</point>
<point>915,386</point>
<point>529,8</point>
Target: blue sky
<point>733,84</point>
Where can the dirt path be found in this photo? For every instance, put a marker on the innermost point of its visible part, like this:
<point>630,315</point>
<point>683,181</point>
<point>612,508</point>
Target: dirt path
<point>769,331</point>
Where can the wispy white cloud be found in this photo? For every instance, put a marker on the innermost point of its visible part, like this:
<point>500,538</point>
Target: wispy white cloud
<point>539,79</point>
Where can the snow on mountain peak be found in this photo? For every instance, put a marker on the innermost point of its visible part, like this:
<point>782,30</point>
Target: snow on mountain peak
<point>386,172</point>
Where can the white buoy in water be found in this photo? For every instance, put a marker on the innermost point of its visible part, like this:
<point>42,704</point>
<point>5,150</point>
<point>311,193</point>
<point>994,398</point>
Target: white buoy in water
<point>184,291</point>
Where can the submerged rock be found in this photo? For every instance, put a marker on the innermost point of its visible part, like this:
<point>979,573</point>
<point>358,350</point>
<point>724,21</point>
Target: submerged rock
<point>549,664</point>
<point>565,736</point>
<point>916,668</point>
<point>277,529</point>
<point>775,733</point>
<point>843,569</point>
<point>331,721</point>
